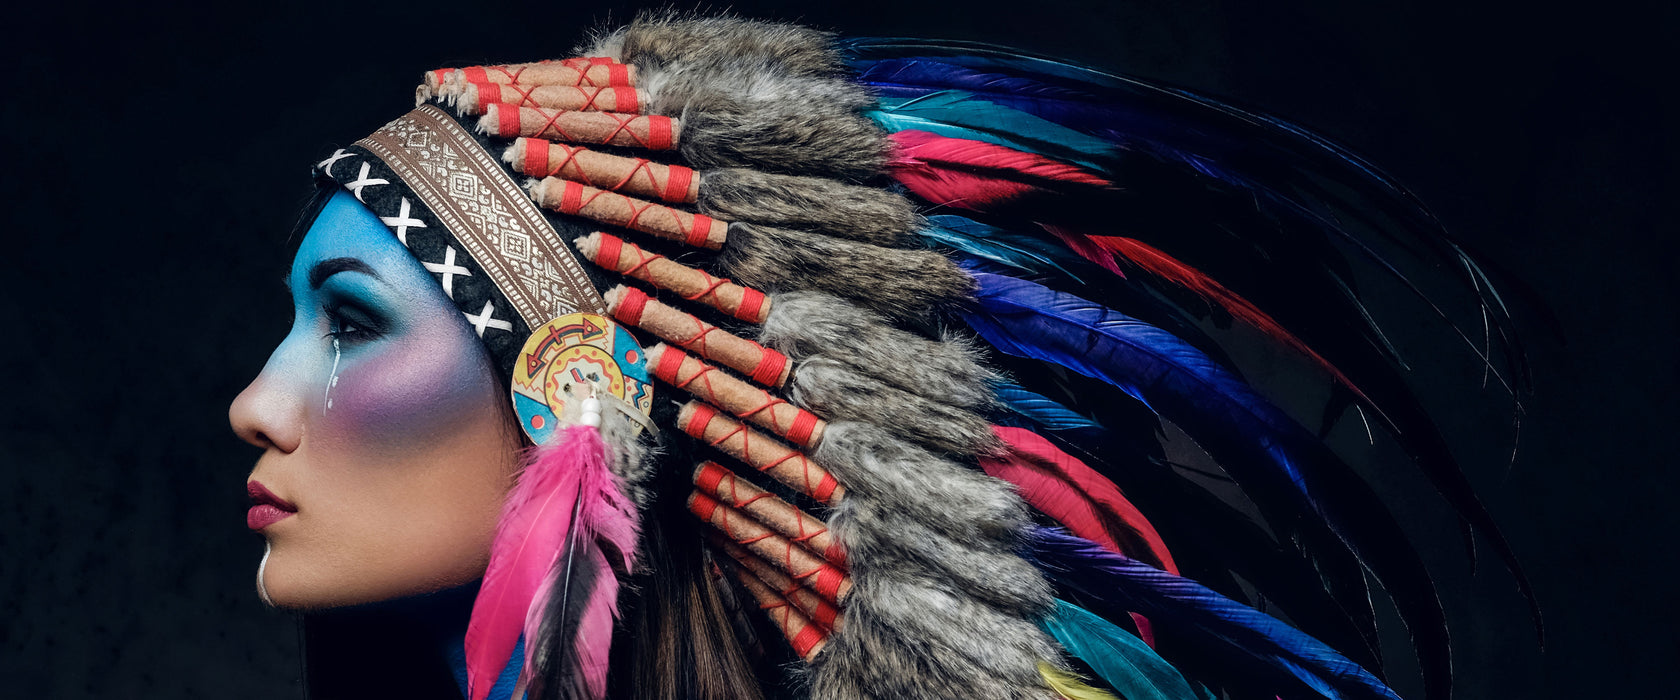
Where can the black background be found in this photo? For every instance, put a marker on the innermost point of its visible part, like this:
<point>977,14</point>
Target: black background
<point>155,158</point>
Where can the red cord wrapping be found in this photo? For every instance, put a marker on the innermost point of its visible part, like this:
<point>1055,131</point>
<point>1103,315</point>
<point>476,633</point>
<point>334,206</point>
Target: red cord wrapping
<point>799,427</point>
<point>659,136</point>
<point>572,201</point>
<point>612,249</point>
<point>710,477</point>
<point>767,371</point>
<point>823,487</point>
<point>624,98</point>
<point>822,578</point>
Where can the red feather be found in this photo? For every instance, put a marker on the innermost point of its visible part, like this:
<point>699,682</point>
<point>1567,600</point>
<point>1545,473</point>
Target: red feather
<point>1102,249</point>
<point>1086,502</point>
<point>1076,496</point>
<point>977,175</point>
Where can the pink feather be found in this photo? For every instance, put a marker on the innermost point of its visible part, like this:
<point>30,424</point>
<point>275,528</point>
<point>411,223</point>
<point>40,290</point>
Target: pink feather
<point>977,175</point>
<point>566,494</point>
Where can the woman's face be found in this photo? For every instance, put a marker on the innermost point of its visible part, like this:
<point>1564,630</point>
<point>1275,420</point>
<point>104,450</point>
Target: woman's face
<point>382,424</point>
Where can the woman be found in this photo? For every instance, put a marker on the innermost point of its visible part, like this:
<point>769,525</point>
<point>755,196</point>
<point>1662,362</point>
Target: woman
<point>927,242</point>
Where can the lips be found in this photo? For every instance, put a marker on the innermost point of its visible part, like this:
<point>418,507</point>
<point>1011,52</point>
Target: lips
<point>266,508</point>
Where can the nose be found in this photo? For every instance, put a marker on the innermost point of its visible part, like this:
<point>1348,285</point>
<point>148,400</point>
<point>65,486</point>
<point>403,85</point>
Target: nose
<point>269,413</point>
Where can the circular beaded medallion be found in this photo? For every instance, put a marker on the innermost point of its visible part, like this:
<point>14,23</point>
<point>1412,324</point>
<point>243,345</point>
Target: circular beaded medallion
<point>564,358</point>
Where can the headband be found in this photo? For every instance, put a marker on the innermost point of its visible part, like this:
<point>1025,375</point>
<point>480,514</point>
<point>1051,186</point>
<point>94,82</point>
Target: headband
<point>459,212</point>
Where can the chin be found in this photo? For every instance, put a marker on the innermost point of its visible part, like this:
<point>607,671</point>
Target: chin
<point>288,581</point>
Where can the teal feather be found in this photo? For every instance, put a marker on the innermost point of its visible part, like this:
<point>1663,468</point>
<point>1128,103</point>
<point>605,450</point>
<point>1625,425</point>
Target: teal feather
<point>1026,253</point>
<point>958,114</point>
<point>1041,410</point>
<point>1123,661</point>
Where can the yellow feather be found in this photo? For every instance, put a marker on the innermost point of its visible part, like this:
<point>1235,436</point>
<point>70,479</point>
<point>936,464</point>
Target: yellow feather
<point>1071,686</point>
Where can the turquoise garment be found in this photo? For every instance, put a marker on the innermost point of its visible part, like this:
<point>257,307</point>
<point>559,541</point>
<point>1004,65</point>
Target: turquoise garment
<point>503,690</point>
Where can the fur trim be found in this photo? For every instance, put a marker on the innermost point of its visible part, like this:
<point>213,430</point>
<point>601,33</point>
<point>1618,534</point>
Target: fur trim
<point>635,453</point>
<point>799,135</point>
<point>904,285</point>
<point>988,571</point>
<point>963,504</point>
<point>753,94</point>
<point>917,640</point>
<point>834,390</point>
<point>867,214</point>
<point>657,39</point>
<point>802,325</point>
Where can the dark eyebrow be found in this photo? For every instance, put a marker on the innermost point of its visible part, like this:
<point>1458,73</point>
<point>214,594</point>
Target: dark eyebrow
<point>332,266</point>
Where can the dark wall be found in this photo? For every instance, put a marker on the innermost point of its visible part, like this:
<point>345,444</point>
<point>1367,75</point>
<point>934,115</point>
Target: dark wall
<point>154,160</point>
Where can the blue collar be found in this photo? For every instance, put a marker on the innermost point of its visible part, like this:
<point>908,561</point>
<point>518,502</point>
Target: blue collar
<point>456,654</point>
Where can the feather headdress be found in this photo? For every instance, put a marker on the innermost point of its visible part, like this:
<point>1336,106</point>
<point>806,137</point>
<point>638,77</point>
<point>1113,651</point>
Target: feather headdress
<point>968,292</point>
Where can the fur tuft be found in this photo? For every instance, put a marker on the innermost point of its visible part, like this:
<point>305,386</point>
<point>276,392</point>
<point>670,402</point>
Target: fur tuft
<point>834,390</point>
<point>661,39</point>
<point>753,94</point>
<point>866,214</point>
<point>797,134</point>
<point>904,285</point>
<point>805,324</point>
<point>959,502</point>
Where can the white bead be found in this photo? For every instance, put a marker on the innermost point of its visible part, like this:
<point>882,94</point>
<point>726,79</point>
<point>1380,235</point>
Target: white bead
<point>592,420</point>
<point>591,405</point>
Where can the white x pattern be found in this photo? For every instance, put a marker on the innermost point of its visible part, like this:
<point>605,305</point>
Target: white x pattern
<point>327,165</point>
<point>485,319</point>
<point>449,270</point>
<point>402,221</point>
<point>362,180</point>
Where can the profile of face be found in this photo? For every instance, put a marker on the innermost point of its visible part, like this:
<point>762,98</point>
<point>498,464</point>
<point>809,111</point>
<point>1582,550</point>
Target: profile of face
<point>387,443</point>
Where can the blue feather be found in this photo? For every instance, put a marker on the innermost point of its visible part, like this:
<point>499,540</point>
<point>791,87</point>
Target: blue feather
<point>956,114</point>
<point>1030,254</point>
<point>924,74</point>
<point>1043,411</point>
<point>1201,616</point>
<point>1128,665</point>
<point>1280,162</point>
<point>1298,483</point>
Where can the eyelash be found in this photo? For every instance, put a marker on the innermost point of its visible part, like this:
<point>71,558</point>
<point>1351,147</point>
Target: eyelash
<point>337,321</point>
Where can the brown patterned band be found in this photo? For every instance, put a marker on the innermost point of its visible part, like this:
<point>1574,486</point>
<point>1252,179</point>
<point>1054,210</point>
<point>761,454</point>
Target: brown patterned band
<point>471,193</point>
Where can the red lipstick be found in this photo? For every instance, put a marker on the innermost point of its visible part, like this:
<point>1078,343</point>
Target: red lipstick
<point>266,508</point>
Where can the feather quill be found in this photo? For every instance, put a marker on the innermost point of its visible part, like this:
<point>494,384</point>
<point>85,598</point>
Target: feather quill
<point>1025,253</point>
<point>957,114</point>
<point>1298,483</point>
<point>1212,538</point>
<point>1164,266</point>
<point>1123,661</point>
<point>977,175</point>
<point>1041,410</point>
<point>1077,496</point>
<point>1290,658</point>
<point>564,531</point>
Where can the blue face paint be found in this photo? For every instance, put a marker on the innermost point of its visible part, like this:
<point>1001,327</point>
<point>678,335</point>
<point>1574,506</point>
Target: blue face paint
<point>374,333</point>
<point>383,423</point>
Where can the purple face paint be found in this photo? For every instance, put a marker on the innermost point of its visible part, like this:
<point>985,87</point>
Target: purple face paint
<point>396,360</point>
<point>383,425</point>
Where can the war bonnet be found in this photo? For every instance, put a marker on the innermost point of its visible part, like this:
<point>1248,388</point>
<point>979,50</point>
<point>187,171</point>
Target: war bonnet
<point>815,256</point>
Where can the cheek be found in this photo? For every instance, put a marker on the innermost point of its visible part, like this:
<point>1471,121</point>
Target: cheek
<point>402,478</point>
<point>412,392</point>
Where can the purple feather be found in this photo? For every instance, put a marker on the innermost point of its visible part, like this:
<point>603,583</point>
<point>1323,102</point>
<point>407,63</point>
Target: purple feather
<point>1201,615</point>
<point>1299,484</point>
